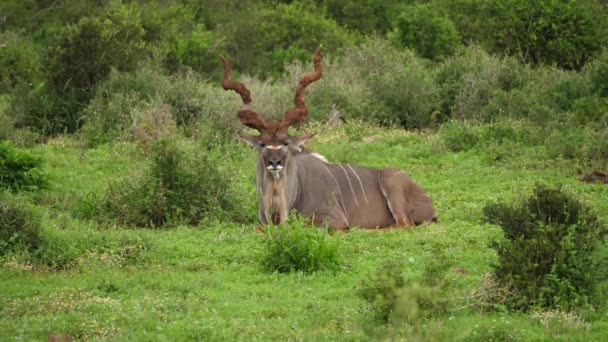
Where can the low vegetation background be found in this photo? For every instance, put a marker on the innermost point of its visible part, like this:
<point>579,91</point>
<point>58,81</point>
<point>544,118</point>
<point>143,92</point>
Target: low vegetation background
<point>128,208</point>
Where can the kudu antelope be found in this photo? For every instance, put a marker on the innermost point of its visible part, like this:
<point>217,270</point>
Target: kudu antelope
<point>335,195</point>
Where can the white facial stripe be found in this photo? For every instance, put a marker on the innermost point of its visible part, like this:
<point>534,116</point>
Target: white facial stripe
<point>274,147</point>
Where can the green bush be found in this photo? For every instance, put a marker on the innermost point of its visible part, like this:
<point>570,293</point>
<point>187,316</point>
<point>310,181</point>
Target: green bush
<point>376,82</point>
<point>281,32</point>
<point>119,102</point>
<point>462,136</point>
<point>128,103</point>
<point>583,144</point>
<point>563,33</point>
<point>182,186</point>
<point>390,298</point>
<point>20,169</point>
<point>19,228</point>
<point>83,56</point>
<point>547,255</point>
<point>597,72</point>
<point>471,79</point>
<point>422,28</point>
<point>198,50</point>
<point>296,246</point>
<point>19,62</point>
<point>378,14</point>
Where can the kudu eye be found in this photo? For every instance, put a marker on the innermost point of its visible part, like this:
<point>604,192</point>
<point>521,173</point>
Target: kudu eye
<point>262,145</point>
<point>285,143</point>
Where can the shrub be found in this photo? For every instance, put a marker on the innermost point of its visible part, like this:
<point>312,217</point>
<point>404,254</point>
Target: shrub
<point>18,61</point>
<point>19,228</point>
<point>471,79</point>
<point>390,298</point>
<point>183,185</point>
<point>547,255</point>
<point>378,14</point>
<point>463,136</point>
<point>597,72</point>
<point>583,144</point>
<point>281,33</point>
<point>119,102</point>
<point>563,33</point>
<point>421,28</point>
<point>296,246</point>
<point>83,56</point>
<point>198,50</point>
<point>376,81</point>
<point>20,170</point>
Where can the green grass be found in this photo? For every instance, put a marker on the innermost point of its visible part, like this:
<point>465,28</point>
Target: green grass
<point>207,282</point>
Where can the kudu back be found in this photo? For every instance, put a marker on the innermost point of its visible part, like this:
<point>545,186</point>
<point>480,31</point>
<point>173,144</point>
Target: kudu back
<point>335,195</point>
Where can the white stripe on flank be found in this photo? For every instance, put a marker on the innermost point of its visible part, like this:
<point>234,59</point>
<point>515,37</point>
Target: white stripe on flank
<point>339,191</point>
<point>360,183</point>
<point>350,184</point>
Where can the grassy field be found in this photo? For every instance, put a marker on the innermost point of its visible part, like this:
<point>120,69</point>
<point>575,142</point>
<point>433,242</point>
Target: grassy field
<point>206,282</point>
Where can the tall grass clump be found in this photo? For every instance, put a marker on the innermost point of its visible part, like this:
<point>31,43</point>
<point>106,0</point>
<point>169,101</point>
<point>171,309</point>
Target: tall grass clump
<point>20,169</point>
<point>182,185</point>
<point>548,255</point>
<point>19,227</point>
<point>297,246</point>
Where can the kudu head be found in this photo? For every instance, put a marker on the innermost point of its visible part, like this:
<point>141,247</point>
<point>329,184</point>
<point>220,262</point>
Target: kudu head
<point>274,144</point>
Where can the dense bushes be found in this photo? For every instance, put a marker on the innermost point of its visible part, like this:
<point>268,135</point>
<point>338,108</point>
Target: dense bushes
<point>182,186</point>
<point>421,28</point>
<point>563,33</point>
<point>19,62</point>
<point>547,255</point>
<point>83,56</point>
<point>20,169</point>
<point>283,33</point>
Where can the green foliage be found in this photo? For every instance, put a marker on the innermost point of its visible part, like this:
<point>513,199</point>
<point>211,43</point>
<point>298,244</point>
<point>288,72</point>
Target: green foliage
<point>365,16</point>
<point>183,185</point>
<point>548,252</point>
<point>19,62</point>
<point>120,102</point>
<point>83,56</point>
<point>282,33</point>
<point>391,298</point>
<point>19,227</point>
<point>597,72</point>
<point>585,144</point>
<point>297,246</point>
<point>423,29</point>
<point>198,51</point>
<point>379,82</point>
<point>563,33</point>
<point>462,136</point>
<point>472,78</point>
<point>20,169</point>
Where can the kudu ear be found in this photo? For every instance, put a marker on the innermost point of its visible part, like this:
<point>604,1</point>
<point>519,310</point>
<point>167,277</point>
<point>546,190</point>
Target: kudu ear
<point>300,140</point>
<point>251,140</point>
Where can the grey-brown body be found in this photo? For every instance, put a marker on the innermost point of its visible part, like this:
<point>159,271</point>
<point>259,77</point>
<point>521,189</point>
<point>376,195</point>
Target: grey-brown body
<point>341,195</point>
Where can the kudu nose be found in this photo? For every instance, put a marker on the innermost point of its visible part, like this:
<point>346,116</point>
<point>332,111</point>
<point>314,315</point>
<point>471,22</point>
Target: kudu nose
<point>275,163</point>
